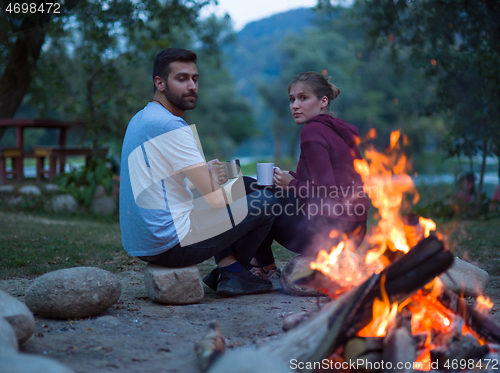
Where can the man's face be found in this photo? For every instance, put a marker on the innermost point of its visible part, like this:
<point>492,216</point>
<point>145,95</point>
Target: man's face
<point>181,89</point>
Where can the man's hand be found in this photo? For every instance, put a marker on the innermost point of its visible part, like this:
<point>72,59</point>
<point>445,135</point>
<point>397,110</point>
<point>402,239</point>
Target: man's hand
<point>282,178</point>
<point>218,171</point>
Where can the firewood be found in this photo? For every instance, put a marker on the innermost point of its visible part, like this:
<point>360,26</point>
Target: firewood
<point>356,347</point>
<point>478,323</point>
<point>211,346</point>
<point>341,319</point>
<point>313,339</point>
<point>399,351</point>
<point>294,320</point>
<point>461,350</point>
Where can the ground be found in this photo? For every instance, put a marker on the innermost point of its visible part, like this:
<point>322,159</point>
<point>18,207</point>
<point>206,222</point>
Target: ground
<point>139,336</point>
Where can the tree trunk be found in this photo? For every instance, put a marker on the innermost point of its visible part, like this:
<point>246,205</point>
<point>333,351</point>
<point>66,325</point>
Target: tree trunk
<point>481,177</point>
<point>17,75</point>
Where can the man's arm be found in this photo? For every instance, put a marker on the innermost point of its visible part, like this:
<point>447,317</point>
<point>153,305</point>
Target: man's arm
<point>199,175</point>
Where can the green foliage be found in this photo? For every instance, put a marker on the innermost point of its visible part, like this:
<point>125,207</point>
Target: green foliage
<point>82,183</point>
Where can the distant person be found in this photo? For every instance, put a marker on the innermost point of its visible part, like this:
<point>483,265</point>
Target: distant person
<point>161,170</point>
<point>466,188</point>
<point>495,200</point>
<point>323,202</point>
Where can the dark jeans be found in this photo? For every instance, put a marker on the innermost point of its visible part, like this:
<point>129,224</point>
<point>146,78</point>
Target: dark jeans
<point>242,241</point>
<point>300,233</point>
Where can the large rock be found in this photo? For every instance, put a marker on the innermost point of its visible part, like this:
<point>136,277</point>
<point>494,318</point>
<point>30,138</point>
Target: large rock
<point>173,285</point>
<point>30,190</point>
<point>52,188</point>
<point>63,203</point>
<point>249,361</point>
<point>8,338</point>
<point>466,278</point>
<point>18,316</point>
<point>73,293</point>
<point>295,267</point>
<point>103,205</point>
<point>24,363</point>
<point>6,189</point>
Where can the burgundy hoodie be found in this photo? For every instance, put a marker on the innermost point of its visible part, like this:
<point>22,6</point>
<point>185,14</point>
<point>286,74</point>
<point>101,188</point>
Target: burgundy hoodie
<point>325,179</point>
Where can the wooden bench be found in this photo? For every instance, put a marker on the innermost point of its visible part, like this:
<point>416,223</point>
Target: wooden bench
<point>55,153</point>
<point>16,156</point>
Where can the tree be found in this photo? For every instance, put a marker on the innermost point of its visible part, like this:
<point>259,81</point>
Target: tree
<point>83,51</point>
<point>458,44</point>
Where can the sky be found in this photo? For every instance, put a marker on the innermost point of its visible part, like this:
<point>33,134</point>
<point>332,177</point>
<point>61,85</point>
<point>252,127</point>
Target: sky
<point>245,11</point>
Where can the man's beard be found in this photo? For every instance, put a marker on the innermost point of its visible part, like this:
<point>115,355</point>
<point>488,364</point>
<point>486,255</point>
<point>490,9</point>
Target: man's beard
<point>179,102</point>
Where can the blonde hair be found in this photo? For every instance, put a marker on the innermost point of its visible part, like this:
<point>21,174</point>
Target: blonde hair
<point>319,85</point>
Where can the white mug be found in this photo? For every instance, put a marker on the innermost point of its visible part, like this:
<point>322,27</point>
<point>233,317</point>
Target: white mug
<point>265,173</point>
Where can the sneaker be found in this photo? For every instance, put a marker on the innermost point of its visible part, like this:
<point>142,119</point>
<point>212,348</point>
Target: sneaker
<point>239,283</point>
<point>212,279</point>
<point>274,275</point>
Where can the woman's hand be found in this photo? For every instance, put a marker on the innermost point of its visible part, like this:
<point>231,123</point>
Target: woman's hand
<point>218,171</point>
<point>282,178</point>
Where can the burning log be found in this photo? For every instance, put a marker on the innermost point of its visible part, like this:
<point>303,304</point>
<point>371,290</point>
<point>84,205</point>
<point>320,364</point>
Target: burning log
<point>462,350</point>
<point>474,320</point>
<point>341,320</point>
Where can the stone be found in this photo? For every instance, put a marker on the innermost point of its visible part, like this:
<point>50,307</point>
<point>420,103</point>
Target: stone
<point>30,190</point>
<point>100,192</point>
<point>15,201</point>
<point>173,285</point>
<point>295,267</point>
<point>103,205</point>
<point>18,316</point>
<point>73,293</point>
<point>109,321</point>
<point>249,361</point>
<point>25,363</point>
<point>8,338</point>
<point>466,278</point>
<point>63,203</point>
<point>52,188</point>
<point>6,189</point>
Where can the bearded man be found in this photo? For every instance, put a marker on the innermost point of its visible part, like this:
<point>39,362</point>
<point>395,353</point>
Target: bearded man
<point>163,170</point>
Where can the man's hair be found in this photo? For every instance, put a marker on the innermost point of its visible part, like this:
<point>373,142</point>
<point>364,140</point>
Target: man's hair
<point>161,66</point>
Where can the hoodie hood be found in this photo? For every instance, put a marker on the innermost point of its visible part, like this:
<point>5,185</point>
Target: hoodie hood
<point>346,131</point>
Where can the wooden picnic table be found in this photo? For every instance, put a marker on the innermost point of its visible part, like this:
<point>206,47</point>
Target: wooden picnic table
<point>18,152</point>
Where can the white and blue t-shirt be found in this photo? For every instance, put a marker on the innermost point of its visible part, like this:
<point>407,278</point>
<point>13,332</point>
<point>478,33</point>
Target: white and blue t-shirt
<point>155,201</point>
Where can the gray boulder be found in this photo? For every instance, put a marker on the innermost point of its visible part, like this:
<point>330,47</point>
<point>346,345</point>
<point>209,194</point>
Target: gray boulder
<point>18,316</point>
<point>173,285</point>
<point>30,190</point>
<point>73,293</point>
<point>466,278</point>
<point>294,268</point>
<point>52,188</point>
<point>63,203</point>
<point>6,189</point>
<point>103,205</point>
<point>8,338</point>
<point>24,363</point>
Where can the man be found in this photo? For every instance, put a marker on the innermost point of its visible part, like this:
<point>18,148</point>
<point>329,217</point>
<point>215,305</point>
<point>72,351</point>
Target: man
<point>161,219</point>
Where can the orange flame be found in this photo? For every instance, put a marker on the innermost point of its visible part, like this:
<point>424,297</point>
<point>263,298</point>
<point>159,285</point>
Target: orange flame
<point>383,314</point>
<point>483,305</point>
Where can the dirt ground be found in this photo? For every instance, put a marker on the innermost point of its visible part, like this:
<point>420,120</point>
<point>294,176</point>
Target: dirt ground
<point>139,336</point>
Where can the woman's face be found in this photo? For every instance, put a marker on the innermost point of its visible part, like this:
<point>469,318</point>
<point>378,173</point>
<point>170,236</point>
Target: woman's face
<point>304,105</point>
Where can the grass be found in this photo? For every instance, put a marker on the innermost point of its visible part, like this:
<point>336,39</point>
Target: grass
<point>31,245</point>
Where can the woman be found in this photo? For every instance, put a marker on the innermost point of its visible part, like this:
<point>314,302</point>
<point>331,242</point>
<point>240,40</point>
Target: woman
<point>323,202</point>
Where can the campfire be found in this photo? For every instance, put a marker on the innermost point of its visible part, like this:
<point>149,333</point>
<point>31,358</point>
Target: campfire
<point>390,311</point>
